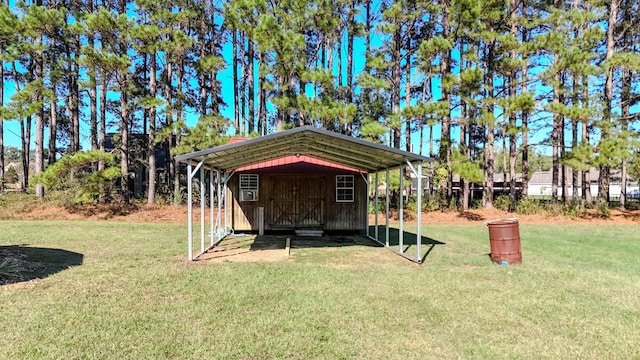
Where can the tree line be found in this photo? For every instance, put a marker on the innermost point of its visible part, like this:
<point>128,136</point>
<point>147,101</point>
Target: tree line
<point>467,78</point>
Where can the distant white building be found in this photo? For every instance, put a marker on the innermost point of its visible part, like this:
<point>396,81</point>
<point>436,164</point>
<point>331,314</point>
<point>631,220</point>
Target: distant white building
<point>540,184</point>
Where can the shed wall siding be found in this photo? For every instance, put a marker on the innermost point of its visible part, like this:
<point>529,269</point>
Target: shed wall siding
<point>298,201</point>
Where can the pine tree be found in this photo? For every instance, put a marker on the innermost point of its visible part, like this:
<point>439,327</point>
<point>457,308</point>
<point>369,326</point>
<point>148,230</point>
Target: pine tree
<point>37,23</point>
<point>146,37</point>
<point>605,147</point>
<point>8,27</point>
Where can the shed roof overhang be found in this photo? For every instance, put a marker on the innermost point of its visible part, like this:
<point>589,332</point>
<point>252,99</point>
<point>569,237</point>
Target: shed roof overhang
<point>305,140</point>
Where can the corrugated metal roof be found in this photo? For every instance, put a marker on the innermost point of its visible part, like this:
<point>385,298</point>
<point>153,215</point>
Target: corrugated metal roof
<point>309,141</point>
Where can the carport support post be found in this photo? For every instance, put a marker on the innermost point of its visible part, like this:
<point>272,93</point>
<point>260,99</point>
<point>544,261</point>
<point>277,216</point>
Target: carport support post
<point>400,212</point>
<point>261,221</point>
<point>386,213</point>
<point>419,201</point>
<point>189,211</point>
<point>202,215</point>
<point>211,208</point>
<point>375,204</point>
<point>226,201</point>
<point>365,177</point>
<point>218,219</point>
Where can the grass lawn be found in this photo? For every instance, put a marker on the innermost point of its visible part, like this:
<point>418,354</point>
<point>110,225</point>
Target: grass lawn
<point>129,293</point>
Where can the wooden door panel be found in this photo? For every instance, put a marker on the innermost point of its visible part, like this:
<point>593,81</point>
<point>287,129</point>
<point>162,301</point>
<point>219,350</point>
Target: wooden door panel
<point>282,201</point>
<point>283,214</point>
<point>310,197</point>
<point>297,201</point>
<point>310,213</point>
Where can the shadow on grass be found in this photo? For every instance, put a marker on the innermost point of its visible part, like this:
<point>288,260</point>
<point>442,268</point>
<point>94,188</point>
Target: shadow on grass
<point>409,240</point>
<point>239,245</point>
<point>279,241</point>
<point>273,247</point>
<point>31,263</point>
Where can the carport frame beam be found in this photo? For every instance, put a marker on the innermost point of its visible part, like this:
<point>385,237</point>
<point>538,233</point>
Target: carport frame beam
<point>418,173</point>
<point>221,233</point>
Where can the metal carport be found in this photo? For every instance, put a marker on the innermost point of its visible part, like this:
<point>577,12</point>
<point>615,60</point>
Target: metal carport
<point>366,157</point>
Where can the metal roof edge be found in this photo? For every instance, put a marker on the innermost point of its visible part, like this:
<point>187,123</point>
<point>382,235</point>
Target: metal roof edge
<point>409,155</point>
<point>366,143</point>
<point>224,147</point>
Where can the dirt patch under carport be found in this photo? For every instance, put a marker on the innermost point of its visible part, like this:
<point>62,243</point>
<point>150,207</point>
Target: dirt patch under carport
<point>270,248</point>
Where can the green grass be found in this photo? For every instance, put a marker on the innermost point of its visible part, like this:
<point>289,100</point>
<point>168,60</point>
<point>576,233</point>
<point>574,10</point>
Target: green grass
<point>128,293</point>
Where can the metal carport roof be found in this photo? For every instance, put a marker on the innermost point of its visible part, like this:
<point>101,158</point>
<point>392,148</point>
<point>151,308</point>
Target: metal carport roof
<point>305,140</point>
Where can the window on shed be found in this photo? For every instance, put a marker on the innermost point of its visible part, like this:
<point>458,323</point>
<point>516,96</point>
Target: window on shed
<point>344,188</point>
<point>248,187</point>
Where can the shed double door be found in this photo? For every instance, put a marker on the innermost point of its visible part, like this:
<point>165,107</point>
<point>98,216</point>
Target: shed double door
<point>297,201</point>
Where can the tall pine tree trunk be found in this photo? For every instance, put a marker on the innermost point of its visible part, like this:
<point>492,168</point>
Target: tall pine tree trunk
<point>586,175</point>
<point>180,96</point>
<point>251,87</point>
<point>427,96</point>
<point>93,91</point>
<point>53,127</point>
<point>489,165</point>
<point>124,118</point>
<point>93,109</point>
<point>243,85</point>
<point>329,51</point>
<point>513,150</point>
<point>144,80</point>
<point>37,98</point>
<point>236,81</point>
<point>262,97</point>
<point>605,167</point>
<point>574,142</point>
<point>124,140</point>
<point>25,133</point>
<point>339,64</point>
<point>407,94</point>
<point>350,40</point>
<point>204,83</point>
<point>170,143</point>
<point>280,112</point>
<point>525,131</point>
<point>151,144</point>
<point>103,115</point>
<point>74,99</point>
<point>464,128</point>
<point>53,115</point>
<point>563,145</point>
<point>555,139</point>
<point>215,86</point>
<point>464,148</point>
<point>575,179</point>
<point>395,91</point>
<point>505,166</point>
<point>445,136</point>
<point>624,123</point>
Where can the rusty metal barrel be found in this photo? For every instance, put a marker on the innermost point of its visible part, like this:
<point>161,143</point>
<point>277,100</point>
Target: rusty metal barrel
<point>504,238</point>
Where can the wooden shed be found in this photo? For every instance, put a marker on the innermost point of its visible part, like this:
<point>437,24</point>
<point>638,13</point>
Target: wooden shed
<point>303,178</point>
